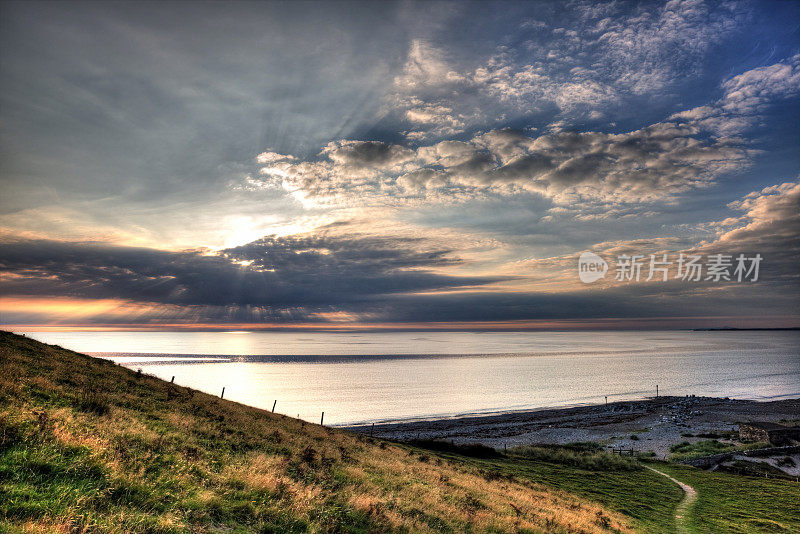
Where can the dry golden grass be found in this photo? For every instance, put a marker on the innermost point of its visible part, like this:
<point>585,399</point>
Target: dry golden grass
<point>148,456</point>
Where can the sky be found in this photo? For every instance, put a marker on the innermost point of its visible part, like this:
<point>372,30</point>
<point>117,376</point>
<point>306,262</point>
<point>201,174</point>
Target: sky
<point>399,165</point>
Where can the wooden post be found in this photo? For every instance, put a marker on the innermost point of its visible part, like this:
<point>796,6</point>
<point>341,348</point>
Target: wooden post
<point>656,390</point>
<point>372,430</point>
<point>222,395</point>
<point>273,405</point>
<point>322,418</point>
<point>172,381</point>
<point>606,400</point>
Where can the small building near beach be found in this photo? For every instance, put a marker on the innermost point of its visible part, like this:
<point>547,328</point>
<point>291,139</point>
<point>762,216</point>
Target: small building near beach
<point>770,432</point>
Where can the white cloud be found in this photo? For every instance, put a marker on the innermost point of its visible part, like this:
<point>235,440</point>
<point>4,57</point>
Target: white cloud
<point>745,97</point>
<point>425,66</point>
<point>771,222</point>
<point>569,168</point>
<point>647,50</point>
<point>591,174</point>
<point>769,226</point>
<point>272,157</point>
<point>595,61</point>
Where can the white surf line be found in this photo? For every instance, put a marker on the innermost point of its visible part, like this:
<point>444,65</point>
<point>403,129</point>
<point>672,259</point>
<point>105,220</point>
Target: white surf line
<point>683,506</point>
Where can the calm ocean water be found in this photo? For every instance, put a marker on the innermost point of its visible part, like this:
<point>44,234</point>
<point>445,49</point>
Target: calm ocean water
<point>362,377</point>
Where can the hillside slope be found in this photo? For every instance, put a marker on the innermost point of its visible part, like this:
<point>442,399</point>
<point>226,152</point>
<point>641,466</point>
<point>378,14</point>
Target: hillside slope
<point>86,445</point>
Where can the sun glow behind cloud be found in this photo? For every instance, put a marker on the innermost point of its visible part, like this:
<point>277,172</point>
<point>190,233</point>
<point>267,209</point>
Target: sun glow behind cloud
<point>70,310</point>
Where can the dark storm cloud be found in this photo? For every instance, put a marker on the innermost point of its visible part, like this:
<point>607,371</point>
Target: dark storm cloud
<point>272,272</point>
<point>380,278</point>
<point>322,254</point>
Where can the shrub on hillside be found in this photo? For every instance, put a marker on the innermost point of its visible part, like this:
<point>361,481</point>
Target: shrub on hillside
<point>93,402</point>
<point>473,450</point>
<point>591,458</point>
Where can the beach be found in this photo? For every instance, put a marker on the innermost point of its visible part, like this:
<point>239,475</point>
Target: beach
<point>657,423</point>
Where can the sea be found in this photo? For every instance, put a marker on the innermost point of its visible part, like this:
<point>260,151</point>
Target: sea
<point>359,378</point>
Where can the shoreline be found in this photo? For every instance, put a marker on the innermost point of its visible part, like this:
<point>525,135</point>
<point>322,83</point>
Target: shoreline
<point>651,424</point>
<point>514,411</point>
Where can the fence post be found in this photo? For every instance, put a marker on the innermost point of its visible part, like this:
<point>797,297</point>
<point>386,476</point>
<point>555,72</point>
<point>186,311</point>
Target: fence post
<point>222,395</point>
<point>172,381</point>
<point>273,405</point>
<point>656,390</point>
<point>372,430</point>
<point>322,418</point>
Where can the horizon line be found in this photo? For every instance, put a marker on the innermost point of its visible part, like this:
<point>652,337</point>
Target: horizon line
<point>611,323</point>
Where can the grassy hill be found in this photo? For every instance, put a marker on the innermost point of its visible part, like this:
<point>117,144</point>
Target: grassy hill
<point>89,446</point>
<point>86,445</point>
<point>736,504</point>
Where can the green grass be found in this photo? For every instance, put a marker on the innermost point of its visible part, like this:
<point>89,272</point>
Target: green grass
<point>726,502</point>
<point>619,483</point>
<point>589,456</point>
<point>686,450</point>
<point>750,468</point>
<point>640,494</point>
<point>735,504</point>
<point>43,479</point>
